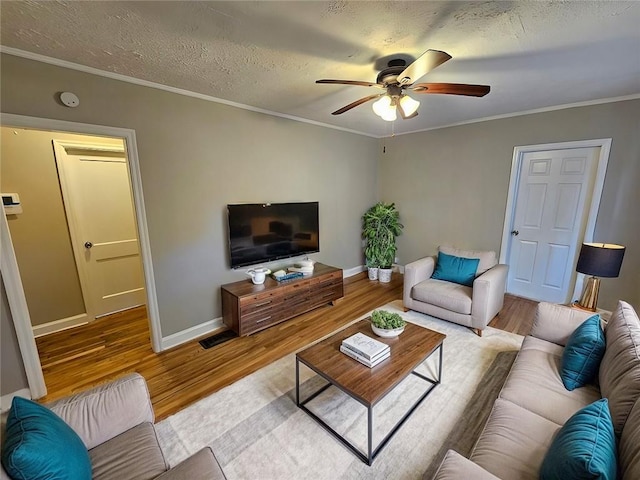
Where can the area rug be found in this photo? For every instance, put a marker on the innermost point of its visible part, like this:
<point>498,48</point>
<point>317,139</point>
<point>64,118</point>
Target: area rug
<point>256,430</point>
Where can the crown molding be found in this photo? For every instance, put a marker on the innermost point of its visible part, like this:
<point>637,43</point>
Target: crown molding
<point>179,91</point>
<point>587,103</point>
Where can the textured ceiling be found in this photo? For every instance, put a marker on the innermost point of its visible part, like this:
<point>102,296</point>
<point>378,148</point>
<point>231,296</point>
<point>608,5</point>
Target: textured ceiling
<point>267,55</point>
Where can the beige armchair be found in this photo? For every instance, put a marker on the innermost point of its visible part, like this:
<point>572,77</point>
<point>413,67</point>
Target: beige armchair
<point>473,306</point>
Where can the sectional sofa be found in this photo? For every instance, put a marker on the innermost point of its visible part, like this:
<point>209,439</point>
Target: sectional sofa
<point>529,432</point>
<point>115,425</point>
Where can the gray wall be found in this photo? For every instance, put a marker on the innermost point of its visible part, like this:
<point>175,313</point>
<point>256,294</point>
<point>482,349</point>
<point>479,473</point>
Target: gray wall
<point>197,156</point>
<point>12,376</point>
<point>451,185</point>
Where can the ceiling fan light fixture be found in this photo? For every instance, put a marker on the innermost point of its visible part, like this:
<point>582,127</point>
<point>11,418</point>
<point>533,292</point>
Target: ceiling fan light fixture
<point>382,106</point>
<point>390,115</point>
<point>385,108</point>
<point>409,105</point>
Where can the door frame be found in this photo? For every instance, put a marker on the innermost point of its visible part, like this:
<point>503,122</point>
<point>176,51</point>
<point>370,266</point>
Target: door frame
<point>11,274</point>
<point>596,194</point>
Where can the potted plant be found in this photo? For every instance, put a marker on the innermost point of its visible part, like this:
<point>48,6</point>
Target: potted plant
<point>380,227</point>
<point>387,324</point>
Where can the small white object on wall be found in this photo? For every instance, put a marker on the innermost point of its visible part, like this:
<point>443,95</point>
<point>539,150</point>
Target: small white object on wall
<point>11,202</point>
<point>69,99</point>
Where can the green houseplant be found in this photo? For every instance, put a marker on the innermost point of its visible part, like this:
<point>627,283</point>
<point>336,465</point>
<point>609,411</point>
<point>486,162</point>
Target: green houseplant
<point>387,324</point>
<point>380,227</point>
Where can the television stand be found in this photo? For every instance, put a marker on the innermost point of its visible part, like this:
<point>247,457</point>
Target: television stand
<point>249,308</point>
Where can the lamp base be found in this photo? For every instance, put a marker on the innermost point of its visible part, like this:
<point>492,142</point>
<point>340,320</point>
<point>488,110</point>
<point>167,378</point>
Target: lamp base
<point>589,299</point>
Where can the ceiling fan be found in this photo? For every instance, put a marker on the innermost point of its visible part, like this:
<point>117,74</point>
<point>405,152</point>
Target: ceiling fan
<point>398,77</point>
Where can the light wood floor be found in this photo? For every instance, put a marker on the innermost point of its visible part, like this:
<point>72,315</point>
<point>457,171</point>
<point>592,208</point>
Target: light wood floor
<point>82,357</point>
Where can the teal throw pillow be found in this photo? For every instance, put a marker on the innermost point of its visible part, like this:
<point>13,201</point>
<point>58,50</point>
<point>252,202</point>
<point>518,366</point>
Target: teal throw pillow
<point>582,354</point>
<point>584,447</point>
<point>456,269</point>
<point>40,445</point>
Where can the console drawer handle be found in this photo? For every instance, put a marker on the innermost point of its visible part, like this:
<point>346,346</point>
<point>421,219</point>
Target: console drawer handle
<point>263,319</point>
<point>261,304</point>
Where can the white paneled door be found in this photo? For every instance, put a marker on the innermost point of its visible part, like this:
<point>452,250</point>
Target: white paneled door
<point>552,203</point>
<point>97,196</point>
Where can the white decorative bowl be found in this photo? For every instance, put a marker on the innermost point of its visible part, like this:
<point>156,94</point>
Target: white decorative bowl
<point>382,332</point>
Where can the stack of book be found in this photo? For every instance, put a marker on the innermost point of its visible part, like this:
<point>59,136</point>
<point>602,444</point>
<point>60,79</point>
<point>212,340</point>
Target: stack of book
<point>366,350</point>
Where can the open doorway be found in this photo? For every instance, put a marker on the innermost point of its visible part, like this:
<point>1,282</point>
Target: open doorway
<point>123,146</point>
<point>76,238</point>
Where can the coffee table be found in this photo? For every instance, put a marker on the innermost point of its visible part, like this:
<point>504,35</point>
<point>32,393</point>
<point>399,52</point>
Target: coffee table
<point>367,385</point>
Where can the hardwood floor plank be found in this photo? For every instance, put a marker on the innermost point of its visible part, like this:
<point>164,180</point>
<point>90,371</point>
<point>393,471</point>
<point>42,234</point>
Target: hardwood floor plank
<point>187,373</point>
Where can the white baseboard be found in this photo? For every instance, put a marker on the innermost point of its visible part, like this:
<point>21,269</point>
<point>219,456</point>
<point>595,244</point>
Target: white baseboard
<point>350,272</point>
<point>192,333</point>
<point>362,268</point>
<point>5,400</point>
<point>59,325</point>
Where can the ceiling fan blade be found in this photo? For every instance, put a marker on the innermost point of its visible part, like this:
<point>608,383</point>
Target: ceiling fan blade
<point>356,103</point>
<point>452,89</point>
<point>422,65</point>
<point>350,82</point>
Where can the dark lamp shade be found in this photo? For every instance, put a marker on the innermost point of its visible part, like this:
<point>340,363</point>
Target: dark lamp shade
<point>600,259</point>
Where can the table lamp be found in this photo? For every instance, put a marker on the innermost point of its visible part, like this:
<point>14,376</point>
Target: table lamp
<point>597,260</point>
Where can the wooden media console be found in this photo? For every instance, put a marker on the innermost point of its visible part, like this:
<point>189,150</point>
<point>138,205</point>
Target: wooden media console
<point>249,308</point>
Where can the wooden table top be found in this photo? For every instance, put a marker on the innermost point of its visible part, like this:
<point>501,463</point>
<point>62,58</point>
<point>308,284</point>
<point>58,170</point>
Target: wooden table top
<point>369,385</point>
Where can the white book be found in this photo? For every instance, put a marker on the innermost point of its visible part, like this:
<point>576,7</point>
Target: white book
<point>363,360</point>
<point>364,345</point>
<point>372,359</point>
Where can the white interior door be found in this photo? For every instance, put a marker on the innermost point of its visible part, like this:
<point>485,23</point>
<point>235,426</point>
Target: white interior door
<point>552,201</point>
<point>97,196</point>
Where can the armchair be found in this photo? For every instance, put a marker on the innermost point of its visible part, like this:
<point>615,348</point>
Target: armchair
<point>472,306</point>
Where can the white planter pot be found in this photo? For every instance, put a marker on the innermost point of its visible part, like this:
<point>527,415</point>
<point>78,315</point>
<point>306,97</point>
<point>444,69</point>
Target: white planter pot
<point>382,332</point>
<point>385,274</point>
<point>373,273</point>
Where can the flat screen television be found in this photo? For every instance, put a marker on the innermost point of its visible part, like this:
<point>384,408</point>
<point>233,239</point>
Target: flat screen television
<point>263,232</point>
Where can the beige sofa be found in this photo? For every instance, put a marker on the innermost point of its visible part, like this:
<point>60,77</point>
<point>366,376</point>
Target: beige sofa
<point>115,422</point>
<point>534,404</point>
<point>472,307</point>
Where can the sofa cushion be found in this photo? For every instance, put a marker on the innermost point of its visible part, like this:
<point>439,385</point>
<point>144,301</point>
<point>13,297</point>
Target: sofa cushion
<point>585,447</point>
<point>450,296</point>
<point>456,269</point>
<point>583,353</point>
<point>202,465</point>
<point>488,259</point>
<point>454,467</point>
<point>134,454</point>
<point>514,442</point>
<point>534,383</point>
<point>620,367</point>
<point>39,445</point>
<point>107,410</point>
<point>555,323</point>
<point>629,447</point>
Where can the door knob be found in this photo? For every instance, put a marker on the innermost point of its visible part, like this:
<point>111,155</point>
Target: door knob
<point>88,244</point>
<point>515,233</point>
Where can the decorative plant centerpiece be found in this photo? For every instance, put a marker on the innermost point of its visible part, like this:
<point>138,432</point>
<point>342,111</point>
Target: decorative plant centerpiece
<point>387,324</point>
<point>380,227</point>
